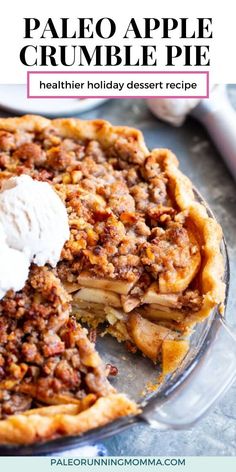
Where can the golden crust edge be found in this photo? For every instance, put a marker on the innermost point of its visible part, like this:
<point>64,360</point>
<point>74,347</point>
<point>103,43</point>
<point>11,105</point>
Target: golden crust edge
<point>26,429</point>
<point>211,231</point>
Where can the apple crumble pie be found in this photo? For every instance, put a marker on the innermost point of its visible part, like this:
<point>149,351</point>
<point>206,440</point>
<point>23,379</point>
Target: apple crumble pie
<point>143,262</point>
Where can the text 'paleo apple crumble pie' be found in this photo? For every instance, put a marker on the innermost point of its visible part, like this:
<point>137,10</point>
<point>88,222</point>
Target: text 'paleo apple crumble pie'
<point>142,262</point>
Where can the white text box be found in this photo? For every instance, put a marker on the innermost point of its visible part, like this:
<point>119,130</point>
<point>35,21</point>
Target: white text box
<point>118,84</point>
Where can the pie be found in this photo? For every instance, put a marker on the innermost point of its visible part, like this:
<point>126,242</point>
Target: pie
<point>143,263</point>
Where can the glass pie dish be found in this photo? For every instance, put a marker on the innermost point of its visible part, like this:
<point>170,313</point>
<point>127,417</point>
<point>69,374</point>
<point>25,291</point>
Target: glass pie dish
<point>206,372</point>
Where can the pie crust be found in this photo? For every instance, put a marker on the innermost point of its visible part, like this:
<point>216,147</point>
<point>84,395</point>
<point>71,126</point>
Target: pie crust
<point>143,260</point>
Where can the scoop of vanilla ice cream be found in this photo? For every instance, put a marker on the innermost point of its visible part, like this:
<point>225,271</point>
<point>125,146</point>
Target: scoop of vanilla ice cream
<point>172,110</point>
<point>34,219</point>
<point>14,267</point>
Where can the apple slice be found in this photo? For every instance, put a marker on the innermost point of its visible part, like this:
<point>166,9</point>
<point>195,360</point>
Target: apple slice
<point>129,303</point>
<point>147,336</point>
<point>154,296</point>
<point>155,314</point>
<point>71,287</point>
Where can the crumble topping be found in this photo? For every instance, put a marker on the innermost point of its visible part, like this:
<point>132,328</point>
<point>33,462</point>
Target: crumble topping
<point>45,356</point>
<point>168,249</point>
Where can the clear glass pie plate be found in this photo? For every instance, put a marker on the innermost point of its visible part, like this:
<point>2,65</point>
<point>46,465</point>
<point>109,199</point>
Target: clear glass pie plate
<point>184,397</point>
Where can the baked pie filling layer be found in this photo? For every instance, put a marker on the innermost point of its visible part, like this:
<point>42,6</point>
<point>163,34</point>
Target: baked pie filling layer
<point>143,263</point>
